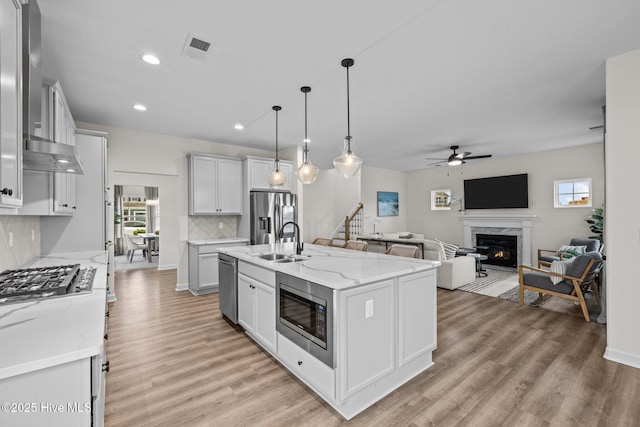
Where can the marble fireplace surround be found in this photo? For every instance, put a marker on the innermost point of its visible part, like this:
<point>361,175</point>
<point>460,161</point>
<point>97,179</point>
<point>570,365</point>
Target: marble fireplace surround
<point>510,225</point>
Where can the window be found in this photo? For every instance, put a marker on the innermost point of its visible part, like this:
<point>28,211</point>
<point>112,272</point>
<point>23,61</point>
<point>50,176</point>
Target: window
<point>572,193</point>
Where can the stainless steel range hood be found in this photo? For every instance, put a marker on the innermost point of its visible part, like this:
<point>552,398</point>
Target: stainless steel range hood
<point>39,153</point>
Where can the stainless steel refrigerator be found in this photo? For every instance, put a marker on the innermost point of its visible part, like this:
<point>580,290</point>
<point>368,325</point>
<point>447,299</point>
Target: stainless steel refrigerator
<point>269,211</point>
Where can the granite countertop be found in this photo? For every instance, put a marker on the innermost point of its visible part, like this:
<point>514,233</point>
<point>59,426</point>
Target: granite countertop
<point>335,268</point>
<point>217,241</point>
<point>49,332</point>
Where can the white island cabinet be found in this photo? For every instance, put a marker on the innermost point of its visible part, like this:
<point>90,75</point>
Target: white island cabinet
<point>384,319</point>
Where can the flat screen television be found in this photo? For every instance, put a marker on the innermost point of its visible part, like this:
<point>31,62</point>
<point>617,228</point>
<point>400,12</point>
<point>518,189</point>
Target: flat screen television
<point>498,192</point>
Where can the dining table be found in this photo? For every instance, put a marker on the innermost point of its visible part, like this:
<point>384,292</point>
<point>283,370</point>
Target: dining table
<point>149,238</point>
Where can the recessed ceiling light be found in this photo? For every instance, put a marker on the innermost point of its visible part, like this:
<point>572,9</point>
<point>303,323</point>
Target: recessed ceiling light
<point>71,170</point>
<point>151,59</point>
<point>63,161</point>
<point>140,107</point>
<point>238,126</point>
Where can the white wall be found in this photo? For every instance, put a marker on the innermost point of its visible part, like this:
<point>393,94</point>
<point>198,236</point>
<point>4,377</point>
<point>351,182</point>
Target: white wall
<point>326,202</point>
<point>622,231</point>
<point>552,227</point>
<point>374,180</point>
<point>148,159</point>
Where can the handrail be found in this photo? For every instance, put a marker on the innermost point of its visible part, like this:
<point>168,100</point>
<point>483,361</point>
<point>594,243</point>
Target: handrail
<point>348,219</point>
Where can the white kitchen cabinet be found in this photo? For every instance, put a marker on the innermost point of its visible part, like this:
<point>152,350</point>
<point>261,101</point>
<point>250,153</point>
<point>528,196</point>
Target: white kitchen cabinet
<point>367,338</point>
<point>203,265</point>
<point>11,190</point>
<point>215,185</point>
<point>64,132</point>
<point>258,170</point>
<point>257,303</point>
<point>52,193</point>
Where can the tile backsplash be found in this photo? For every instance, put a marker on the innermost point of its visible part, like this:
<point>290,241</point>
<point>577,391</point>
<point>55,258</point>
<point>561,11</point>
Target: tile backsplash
<point>208,226</point>
<point>24,248</point>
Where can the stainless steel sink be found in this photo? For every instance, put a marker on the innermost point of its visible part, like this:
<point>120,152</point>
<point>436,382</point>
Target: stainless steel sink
<point>272,257</point>
<point>282,257</point>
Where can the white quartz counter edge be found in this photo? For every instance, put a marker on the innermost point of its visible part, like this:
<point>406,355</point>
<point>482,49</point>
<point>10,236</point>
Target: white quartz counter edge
<point>217,241</point>
<point>40,334</point>
<point>333,267</point>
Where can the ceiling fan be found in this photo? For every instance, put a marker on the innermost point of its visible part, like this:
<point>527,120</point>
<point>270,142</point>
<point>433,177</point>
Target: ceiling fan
<point>456,159</point>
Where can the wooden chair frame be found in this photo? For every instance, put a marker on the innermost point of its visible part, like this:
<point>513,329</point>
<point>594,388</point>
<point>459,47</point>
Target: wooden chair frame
<point>324,241</point>
<point>545,263</point>
<point>579,286</point>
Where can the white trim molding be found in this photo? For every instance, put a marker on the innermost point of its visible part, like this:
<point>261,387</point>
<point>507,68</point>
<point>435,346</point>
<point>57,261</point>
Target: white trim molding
<point>522,224</point>
<point>625,358</point>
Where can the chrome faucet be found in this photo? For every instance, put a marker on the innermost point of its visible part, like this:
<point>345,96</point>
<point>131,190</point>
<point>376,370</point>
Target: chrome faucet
<point>299,244</point>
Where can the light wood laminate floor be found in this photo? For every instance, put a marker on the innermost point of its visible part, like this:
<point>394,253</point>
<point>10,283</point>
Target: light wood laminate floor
<point>175,362</point>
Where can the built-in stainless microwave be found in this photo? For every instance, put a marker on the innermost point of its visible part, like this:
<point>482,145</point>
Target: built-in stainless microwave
<point>304,313</point>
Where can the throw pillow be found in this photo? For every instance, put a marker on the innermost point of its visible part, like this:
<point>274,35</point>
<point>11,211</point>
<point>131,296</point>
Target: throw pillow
<point>559,267</point>
<point>449,249</point>
<point>568,251</point>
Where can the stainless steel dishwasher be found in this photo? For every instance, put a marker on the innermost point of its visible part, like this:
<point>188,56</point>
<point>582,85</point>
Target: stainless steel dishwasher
<point>228,282</point>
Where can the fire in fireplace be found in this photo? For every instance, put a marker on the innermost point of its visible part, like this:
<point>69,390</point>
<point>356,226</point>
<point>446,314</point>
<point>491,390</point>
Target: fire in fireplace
<point>500,249</point>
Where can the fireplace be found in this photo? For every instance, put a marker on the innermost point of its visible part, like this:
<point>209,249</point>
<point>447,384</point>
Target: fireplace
<point>500,249</point>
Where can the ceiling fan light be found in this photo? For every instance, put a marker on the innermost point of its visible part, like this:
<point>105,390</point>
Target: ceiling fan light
<point>455,161</point>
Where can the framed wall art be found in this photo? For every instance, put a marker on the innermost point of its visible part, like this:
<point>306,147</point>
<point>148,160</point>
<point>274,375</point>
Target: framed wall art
<point>441,200</point>
<point>388,203</point>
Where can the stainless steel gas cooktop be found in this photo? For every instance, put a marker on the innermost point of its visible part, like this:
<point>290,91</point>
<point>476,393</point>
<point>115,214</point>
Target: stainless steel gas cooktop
<point>44,282</point>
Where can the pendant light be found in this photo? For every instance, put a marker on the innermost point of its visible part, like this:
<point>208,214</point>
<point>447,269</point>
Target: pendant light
<point>307,172</point>
<point>276,177</point>
<point>347,164</point>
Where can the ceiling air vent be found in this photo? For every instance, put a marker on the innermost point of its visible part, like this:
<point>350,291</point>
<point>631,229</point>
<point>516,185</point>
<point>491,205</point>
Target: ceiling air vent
<point>195,47</point>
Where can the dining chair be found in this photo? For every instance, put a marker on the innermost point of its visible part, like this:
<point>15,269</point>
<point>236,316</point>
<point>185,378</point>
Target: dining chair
<point>357,245</point>
<point>132,246</point>
<point>324,241</point>
<point>404,250</point>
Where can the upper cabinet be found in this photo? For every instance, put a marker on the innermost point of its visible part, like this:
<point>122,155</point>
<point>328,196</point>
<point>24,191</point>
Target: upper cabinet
<point>10,104</point>
<point>215,185</point>
<point>259,169</point>
<point>52,193</point>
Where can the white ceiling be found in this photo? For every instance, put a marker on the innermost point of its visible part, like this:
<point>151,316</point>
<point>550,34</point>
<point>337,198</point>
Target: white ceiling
<point>495,76</point>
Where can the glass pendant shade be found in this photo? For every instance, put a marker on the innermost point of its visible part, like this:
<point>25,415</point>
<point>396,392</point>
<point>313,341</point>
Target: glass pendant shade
<point>276,177</point>
<point>347,164</point>
<point>307,173</point>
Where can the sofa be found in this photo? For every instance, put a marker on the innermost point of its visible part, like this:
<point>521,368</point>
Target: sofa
<point>453,272</point>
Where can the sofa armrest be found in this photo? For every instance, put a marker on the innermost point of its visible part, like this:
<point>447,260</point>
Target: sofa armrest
<point>456,272</point>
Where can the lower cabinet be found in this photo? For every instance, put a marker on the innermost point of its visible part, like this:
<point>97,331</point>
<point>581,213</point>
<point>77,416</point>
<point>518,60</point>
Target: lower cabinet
<point>203,267</point>
<point>257,303</point>
<point>303,364</point>
<point>71,394</point>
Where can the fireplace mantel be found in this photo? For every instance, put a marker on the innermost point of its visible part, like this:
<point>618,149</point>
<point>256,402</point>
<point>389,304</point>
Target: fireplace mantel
<point>523,223</point>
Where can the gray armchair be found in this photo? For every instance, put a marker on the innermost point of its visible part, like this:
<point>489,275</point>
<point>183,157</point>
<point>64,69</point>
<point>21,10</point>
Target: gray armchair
<point>578,280</point>
<point>593,245</point>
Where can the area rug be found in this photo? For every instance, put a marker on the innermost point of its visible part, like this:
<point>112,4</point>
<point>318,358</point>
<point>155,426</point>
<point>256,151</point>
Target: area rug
<point>531,298</point>
<point>485,285</point>
<point>503,284</point>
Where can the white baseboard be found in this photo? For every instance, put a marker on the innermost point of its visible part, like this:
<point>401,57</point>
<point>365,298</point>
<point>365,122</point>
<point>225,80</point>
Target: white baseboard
<point>628,359</point>
<point>182,286</point>
<point>168,267</point>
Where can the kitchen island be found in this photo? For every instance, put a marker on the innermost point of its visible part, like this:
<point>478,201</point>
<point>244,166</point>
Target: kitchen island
<point>381,310</point>
<point>53,352</point>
